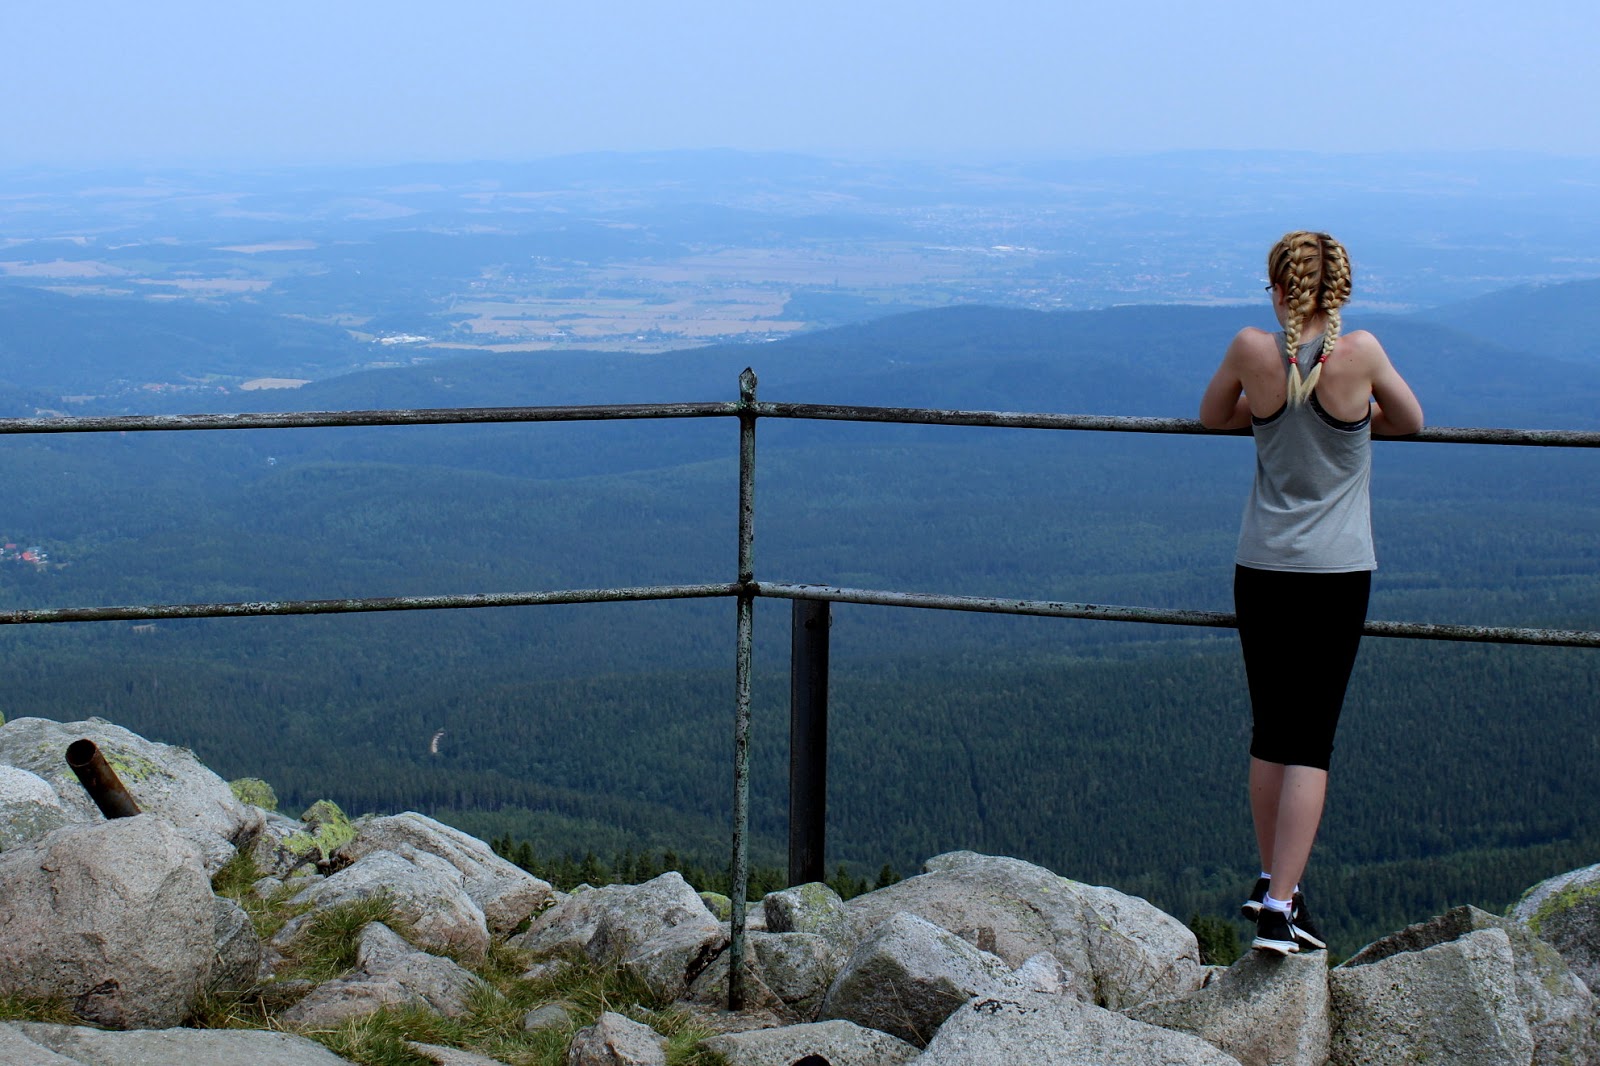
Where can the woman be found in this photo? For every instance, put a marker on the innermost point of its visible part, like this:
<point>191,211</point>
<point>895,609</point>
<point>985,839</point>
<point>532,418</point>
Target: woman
<point>1305,558</point>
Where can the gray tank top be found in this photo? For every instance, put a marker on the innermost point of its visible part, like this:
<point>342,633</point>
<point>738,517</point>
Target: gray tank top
<point>1309,509</point>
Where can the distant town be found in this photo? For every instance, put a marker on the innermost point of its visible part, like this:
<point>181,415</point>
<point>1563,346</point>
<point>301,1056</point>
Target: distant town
<point>15,553</point>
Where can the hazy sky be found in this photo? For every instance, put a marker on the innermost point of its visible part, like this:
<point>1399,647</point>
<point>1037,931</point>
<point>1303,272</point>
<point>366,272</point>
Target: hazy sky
<point>198,81</point>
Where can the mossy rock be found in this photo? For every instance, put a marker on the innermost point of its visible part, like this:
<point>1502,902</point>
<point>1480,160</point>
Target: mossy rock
<point>719,905</point>
<point>256,792</point>
<point>329,830</point>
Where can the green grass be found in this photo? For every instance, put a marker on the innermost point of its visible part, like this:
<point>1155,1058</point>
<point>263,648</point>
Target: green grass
<point>37,1009</point>
<point>492,1024</point>
<point>325,947</point>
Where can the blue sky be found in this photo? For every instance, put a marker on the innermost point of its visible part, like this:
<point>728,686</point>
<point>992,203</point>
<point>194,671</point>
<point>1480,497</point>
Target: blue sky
<point>178,82</point>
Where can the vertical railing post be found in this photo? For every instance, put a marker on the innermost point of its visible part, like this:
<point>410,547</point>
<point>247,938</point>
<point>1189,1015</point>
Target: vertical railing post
<point>740,874</point>
<point>808,739</point>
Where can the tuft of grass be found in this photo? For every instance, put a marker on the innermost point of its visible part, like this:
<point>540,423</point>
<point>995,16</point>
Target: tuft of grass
<point>683,1033</point>
<point>236,880</point>
<point>492,1024</point>
<point>326,945</point>
<point>376,1040</point>
<point>37,1009</point>
<point>231,1010</point>
<point>236,876</point>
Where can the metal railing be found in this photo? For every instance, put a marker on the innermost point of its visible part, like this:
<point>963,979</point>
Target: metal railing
<point>811,618</point>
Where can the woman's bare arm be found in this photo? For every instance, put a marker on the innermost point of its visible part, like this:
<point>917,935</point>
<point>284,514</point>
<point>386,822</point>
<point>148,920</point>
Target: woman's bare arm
<point>1224,404</point>
<point>1397,412</point>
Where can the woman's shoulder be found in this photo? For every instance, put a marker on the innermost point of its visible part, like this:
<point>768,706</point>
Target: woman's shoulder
<point>1253,343</point>
<point>1361,344</point>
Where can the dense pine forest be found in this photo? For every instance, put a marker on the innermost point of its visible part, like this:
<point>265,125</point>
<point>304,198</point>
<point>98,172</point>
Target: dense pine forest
<point>1110,752</point>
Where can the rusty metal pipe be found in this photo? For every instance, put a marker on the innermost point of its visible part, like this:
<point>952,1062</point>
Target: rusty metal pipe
<point>100,780</point>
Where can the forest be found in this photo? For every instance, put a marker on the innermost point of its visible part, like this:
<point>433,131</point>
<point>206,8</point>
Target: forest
<point>1109,752</point>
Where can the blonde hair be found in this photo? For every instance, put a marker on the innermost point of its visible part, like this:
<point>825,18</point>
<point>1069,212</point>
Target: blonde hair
<point>1313,270</point>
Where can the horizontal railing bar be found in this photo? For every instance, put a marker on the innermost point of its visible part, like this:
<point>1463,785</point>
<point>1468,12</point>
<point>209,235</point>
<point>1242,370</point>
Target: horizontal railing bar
<point>1549,638</point>
<point>995,605</point>
<point>1567,638</point>
<point>436,416</point>
<point>1550,438</point>
<point>1560,638</point>
<point>155,612</point>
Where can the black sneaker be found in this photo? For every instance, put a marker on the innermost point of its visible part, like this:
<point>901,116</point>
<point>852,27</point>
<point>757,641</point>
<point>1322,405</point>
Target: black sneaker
<point>1305,932</point>
<point>1275,933</point>
<point>1251,908</point>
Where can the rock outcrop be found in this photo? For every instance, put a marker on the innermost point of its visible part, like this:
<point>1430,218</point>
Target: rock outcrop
<point>1564,912</point>
<point>116,917</point>
<point>978,960</point>
<point>1121,950</point>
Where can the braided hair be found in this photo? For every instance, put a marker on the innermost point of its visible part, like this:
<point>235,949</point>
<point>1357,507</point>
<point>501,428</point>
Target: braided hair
<point>1313,271</point>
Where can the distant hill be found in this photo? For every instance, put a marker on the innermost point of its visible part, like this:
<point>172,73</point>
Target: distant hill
<point>1127,360</point>
<point>1503,359</point>
<point>1555,321</point>
<point>97,345</point>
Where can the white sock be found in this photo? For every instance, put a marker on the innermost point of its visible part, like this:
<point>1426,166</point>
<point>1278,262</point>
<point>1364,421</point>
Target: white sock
<point>1282,906</point>
<point>1265,876</point>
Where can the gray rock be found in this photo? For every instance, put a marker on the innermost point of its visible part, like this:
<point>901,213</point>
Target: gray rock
<point>237,955</point>
<point>544,968</point>
<point>17,1050</point>
<point>1558,1008</point>
<point>1263,1010</point>
<point>215,851</point>
<point>202,1047</point>
<point>840,1042</point>
<point>29,807</point>
<point>786,976</point>
<point>1041,973</point>
<point>428,892</point>
<point>1121,950</point>
<point>505,893</point>
<point>1564,912</point>
<point>389,972</point>
<point>908,977</point>
<point>1455,1002</point>
<point>614,1040</point>
<point>265,887</point>
<point>548,1016</point>
<point>810,908</point>
<point>798,968</point>
<point>610,923</point>
<point>670,961</point>
<point>284,845</point>
<point>117,917</point>
<point>449,1056</point>
<point>163,779</point>
<point>1038,1027</point>
<point>710,988</point>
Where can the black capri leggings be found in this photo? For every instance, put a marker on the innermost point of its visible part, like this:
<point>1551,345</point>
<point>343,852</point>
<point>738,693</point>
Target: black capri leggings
<point>1300,633</point>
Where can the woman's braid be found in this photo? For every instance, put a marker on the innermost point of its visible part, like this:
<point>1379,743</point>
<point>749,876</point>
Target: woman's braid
<point>1295,264</point>
<point>1334,291</point>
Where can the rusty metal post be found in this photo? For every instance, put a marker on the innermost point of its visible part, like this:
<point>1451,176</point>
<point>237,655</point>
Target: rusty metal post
<point>100,780</point>
<point>808,739</point>
<point>740,873</point>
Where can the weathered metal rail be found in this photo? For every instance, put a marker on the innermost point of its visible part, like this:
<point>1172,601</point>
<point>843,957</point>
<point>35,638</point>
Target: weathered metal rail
<point>1553,638</point>
<point>266,608</point>
<point>443,416</point>
<point>811,616</point>
<point>436,416</point>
